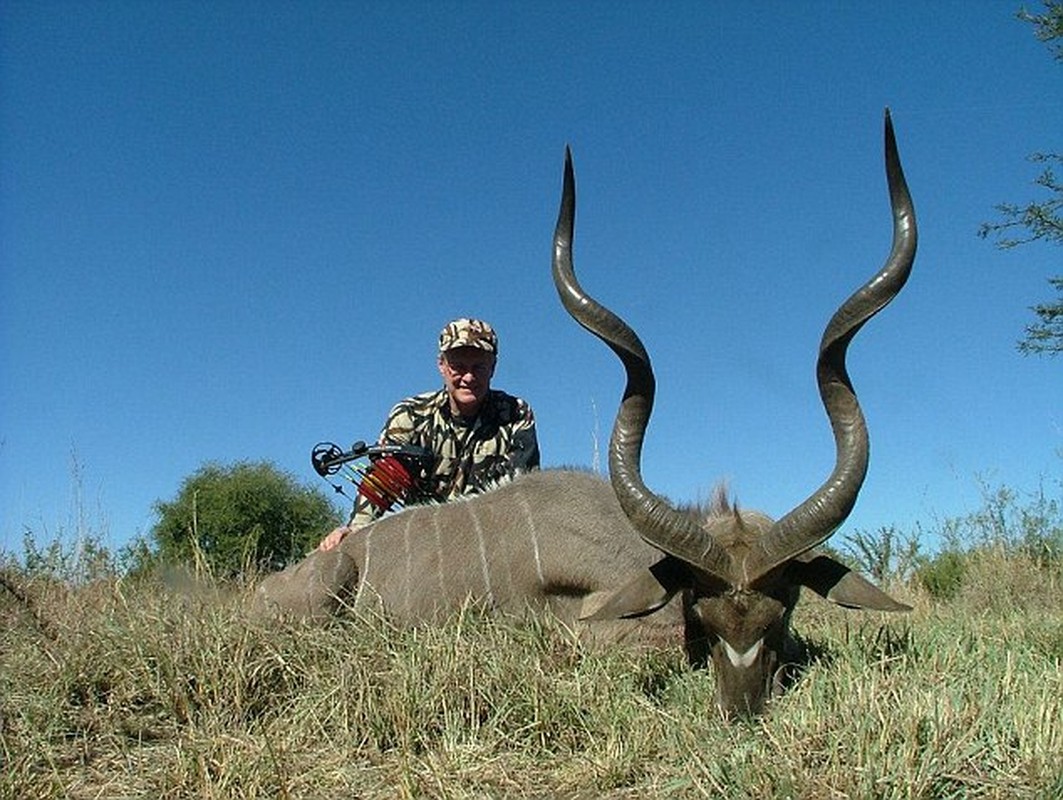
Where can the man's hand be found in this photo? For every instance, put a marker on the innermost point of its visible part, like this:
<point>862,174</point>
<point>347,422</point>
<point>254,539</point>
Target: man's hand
<point>334,538</point>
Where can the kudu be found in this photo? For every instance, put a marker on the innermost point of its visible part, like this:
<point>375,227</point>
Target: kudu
<point>611,560</point>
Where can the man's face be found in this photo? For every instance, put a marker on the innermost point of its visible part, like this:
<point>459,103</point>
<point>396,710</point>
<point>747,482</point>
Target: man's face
<point>467,375</point>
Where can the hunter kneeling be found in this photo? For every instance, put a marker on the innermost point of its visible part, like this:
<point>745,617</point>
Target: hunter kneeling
<point>476,436</point>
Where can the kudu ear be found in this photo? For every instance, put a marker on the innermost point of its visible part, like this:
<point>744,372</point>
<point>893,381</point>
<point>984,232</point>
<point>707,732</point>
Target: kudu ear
<point>647,592</point>
<point>839,584</point>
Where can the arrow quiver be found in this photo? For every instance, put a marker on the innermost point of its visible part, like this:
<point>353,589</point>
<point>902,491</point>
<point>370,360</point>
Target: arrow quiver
<point>386,475</point>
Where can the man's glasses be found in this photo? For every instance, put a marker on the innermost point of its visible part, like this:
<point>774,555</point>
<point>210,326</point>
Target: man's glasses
<point>479,369</point>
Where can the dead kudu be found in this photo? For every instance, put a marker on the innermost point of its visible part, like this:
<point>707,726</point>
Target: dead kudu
<point>620,561</point>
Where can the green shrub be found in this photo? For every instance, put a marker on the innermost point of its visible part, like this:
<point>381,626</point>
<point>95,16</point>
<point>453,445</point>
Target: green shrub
<point>943,574</point>
<point>247,516</point>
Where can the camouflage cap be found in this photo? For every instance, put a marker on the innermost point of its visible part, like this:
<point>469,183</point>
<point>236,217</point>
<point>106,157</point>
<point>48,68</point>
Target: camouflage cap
<point>468,333</point>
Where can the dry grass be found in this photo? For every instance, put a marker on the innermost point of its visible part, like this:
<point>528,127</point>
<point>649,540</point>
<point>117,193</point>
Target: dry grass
<point>155,691</point>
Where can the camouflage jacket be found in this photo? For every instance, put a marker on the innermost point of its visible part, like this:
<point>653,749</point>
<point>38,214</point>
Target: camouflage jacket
<point>470,454</point>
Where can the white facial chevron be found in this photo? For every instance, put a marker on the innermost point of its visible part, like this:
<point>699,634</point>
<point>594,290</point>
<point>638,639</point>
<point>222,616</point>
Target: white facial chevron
<point>745,659</point>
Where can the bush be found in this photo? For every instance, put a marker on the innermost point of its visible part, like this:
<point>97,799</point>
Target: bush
<point>884,555</point>
<point>942,575</point>
<point>240,517</point>
<point>1009,540</point>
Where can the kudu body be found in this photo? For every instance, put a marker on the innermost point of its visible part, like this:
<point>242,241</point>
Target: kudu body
<point>551,539</point>
<point>613,559</point>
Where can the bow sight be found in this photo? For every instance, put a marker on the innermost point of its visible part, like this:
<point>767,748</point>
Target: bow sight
<point>385,474</point>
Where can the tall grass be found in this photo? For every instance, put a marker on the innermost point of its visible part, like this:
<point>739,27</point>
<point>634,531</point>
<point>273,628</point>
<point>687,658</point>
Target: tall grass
<point>167,688</point>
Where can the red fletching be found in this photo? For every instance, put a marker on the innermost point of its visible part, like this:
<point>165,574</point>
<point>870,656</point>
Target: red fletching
<point>385,482</point>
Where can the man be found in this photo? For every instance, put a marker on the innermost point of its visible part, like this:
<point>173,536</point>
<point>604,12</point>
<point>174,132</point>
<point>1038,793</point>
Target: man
<point>477,434</point>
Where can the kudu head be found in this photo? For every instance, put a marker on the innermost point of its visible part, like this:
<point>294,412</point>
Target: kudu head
<point>739,571</point>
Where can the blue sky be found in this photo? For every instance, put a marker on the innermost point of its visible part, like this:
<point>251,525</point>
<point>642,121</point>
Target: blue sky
<point>231,230</point>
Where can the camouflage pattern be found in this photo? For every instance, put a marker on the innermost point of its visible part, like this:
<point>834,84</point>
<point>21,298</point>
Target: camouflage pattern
<point>471,454</point>
<point>468,333</point>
